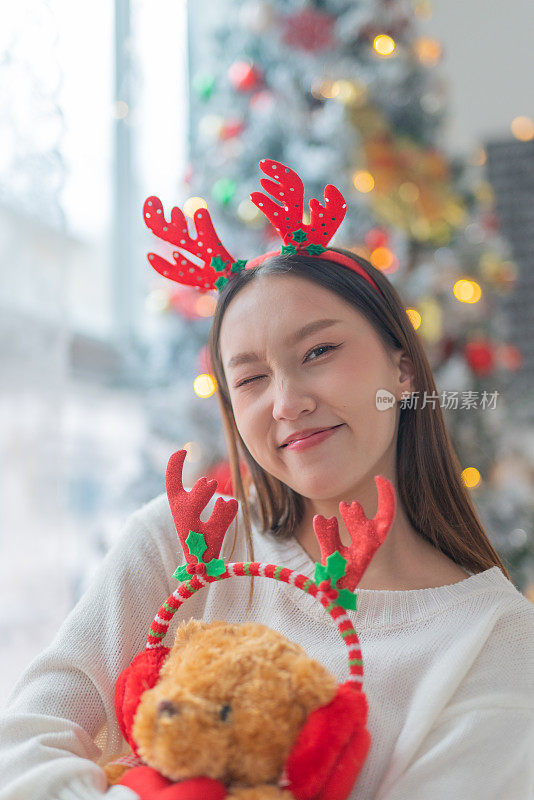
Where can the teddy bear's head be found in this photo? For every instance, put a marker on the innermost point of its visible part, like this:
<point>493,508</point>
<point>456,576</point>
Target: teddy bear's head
<point>229,703</point>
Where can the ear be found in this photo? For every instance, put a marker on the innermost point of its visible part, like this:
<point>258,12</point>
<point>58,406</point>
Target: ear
<point>405,374</point>
<point>314,686</point>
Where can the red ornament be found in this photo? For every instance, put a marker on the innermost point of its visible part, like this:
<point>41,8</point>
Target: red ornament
<point>509,357</point>
<point>184,302</point>
<point>231,128</point>
<point>221,473</point>
<point>244,76</point>
<point>376,237</point>
<point>309,30</point>
<point>480,356</point>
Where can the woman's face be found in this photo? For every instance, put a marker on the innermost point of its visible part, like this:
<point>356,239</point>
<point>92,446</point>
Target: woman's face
<point>328,377</point>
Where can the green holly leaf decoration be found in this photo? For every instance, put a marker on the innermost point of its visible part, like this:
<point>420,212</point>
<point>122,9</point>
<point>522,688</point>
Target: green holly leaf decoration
<point>333,571</point>
<point>218,264</point>
<point>335,565</point>
<point>181,574</point>
<point>288,248</point>
<point>299,235</point>
<point>321,573</point>
<point>220,282</point>
<point>196,544</point>
<point>237,266</point>
<point>215,567</point>
<point>315,249</point>
<point>347,599</point>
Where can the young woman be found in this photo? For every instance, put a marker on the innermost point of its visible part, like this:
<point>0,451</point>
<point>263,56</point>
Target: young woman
<point>302,342</point>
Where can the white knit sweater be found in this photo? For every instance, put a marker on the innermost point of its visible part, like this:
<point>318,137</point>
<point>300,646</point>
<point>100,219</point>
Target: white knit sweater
<point>448,672</point>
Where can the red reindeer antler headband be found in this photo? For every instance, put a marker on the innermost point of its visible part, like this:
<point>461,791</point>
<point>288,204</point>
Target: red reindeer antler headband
<point>286,215</point>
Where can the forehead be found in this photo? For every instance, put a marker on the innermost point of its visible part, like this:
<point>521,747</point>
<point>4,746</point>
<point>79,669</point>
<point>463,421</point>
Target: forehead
<point>278,310</point>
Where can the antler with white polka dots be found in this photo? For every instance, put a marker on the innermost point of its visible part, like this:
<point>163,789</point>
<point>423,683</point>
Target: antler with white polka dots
<point>218,264</point>
<point>287,213</point>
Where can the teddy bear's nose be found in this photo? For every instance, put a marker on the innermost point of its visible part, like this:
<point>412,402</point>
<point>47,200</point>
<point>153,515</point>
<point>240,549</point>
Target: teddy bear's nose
<point>166,707</point>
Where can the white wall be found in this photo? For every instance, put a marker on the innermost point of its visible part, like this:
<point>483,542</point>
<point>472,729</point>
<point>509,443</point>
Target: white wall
<point>488,61</point>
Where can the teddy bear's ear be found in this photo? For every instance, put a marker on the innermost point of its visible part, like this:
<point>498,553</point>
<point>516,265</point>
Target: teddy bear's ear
<point>314,686</point>
<point>184,633</point>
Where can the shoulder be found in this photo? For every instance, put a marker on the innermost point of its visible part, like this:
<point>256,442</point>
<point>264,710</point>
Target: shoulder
<point>503,668</point>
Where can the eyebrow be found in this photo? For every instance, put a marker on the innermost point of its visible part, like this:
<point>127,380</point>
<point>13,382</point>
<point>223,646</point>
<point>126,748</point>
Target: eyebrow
<point>297,336</point>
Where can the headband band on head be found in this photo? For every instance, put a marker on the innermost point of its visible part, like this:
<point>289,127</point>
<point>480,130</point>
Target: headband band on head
<point>286,215</point>
<point>329,255</point>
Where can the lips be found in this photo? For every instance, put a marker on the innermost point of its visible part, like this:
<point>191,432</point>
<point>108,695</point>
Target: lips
<point>306,436</point>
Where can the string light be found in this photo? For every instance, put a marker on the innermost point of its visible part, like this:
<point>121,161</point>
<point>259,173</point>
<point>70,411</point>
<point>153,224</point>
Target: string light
<point>467,291</point>
<point>383,259</point>
<point>523,129</point>
<point>192,204</point>
<point>205,305</point>
<point>429,51</point>
<point>471,477</point>
<point>384,45</point>
<point>363,181</point>
<point>415,317</point>
<point>204,385</point>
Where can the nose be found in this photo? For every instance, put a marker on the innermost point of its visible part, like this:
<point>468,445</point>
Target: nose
<point>168,709</point>
<point>290,399</point>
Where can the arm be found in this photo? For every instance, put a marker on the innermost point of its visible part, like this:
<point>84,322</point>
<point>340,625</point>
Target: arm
<point>472,752</point>
<point>63,704</point>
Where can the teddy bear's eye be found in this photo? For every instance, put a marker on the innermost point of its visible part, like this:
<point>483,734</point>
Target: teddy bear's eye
<point>168,709</point>
<point>223,713</point>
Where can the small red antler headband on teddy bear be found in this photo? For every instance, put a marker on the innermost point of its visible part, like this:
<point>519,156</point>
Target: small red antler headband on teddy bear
<point>319,756</point>
<point>286,215</point>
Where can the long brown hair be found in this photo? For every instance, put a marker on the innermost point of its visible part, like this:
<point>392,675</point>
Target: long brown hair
<point>430,486</point>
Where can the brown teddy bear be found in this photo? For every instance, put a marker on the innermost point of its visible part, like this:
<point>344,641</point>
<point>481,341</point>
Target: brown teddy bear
<point>228,705</point>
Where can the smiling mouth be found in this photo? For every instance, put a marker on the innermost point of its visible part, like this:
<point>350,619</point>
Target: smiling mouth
<point>313,434</point>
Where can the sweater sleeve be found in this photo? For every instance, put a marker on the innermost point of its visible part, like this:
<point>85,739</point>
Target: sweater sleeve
<point>479,752</point>
<point>63,704</point>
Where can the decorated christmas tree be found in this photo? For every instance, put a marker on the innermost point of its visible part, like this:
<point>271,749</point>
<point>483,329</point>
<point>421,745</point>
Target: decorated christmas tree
<point>350,93</point>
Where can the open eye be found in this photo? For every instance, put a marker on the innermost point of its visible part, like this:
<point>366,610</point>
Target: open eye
<point>224,712</point>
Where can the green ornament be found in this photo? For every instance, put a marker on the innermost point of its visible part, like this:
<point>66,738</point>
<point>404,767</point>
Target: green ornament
<point>223,190</point>
<point>315,249</point>
<point>237,266</point>
<point>204,86</point>
<point>288,248</point>
<point>220,282</point>
<point>218,264</point>
<point>299,235</point>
